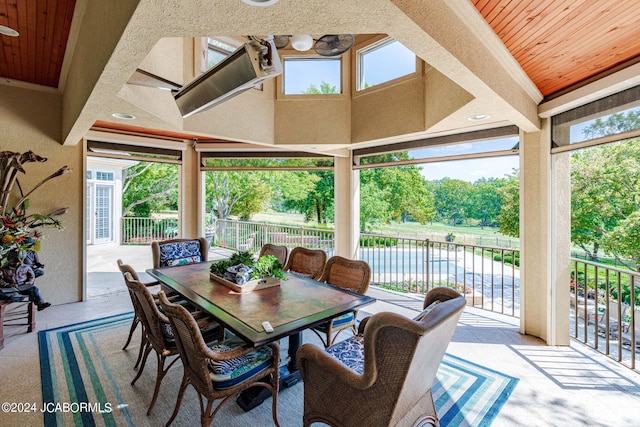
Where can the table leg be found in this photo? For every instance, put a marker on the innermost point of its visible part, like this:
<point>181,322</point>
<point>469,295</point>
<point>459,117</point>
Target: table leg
<point>289,376</point>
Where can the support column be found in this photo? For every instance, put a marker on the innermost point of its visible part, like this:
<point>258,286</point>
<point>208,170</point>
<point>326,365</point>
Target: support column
<point>535,230</point>
<point>190,195</point>
<point>346,208</point>
<point>545,233</point>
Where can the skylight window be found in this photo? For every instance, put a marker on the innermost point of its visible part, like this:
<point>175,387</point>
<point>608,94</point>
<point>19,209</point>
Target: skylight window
<point>382,62</point>
<point>218,50</point>
<point>312,76</point>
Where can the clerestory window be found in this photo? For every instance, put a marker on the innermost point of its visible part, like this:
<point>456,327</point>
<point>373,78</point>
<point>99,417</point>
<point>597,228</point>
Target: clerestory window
<point>312,76</point>
<point>383,61</point>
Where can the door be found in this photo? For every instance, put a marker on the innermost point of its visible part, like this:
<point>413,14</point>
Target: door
<point>103,228</point>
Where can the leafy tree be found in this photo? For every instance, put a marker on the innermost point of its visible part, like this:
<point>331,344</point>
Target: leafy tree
<point>612,124</point>
<point>374,205</point>
<point>624,240</point>
<point>237,192</point>
<point>509,216</point>
<point>451,196</point>
<point>324,89</point>
<point>403,189</point>
<point>485,202</point>
<point>148,187</point>
<point>318,205</point>
<point>605,191</point>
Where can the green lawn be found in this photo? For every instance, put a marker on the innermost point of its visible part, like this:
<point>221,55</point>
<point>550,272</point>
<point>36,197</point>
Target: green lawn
<point>435,231</point>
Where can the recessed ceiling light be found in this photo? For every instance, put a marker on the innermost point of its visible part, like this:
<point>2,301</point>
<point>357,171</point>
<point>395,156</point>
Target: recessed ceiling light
<point>478,117</point>
<point>260,2</point>
<point>124,116</point>
<point>8,31</point>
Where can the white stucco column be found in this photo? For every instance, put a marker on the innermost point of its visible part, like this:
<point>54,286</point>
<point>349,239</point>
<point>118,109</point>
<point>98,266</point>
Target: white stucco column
<point>346,208</point>
<point>190,194</point>
<point>545,234</point>
<point>535,233</point>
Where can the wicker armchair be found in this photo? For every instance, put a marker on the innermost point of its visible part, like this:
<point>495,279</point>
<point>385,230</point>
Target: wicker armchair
<point>386,374</point>
<point>308,262</point>
<point>213,372</point>
<point>179,251</point>
<point>347,274</point>
<point>280,252</point>
<point>158,335</point>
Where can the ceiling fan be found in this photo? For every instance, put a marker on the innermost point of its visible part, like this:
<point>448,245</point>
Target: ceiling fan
<point>327,45</point>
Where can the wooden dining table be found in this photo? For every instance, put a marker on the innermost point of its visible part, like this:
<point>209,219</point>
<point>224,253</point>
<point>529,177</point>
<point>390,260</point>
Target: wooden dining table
<point>298,303</point>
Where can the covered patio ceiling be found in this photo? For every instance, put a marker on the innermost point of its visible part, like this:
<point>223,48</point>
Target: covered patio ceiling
<point>508,55</point>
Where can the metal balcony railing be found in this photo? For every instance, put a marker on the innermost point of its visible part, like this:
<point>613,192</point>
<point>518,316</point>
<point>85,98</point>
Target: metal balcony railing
<point>605,309</point>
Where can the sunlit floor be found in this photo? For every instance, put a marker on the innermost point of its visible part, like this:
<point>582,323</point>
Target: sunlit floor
<point>559,386</point>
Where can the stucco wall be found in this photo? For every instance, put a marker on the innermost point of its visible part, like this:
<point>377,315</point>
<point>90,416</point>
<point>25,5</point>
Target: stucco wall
<point>31,121</point>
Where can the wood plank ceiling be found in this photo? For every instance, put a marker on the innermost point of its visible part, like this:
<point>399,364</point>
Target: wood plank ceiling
<point>36,55</point>
<point>561,43</point>
<point>558,43</point>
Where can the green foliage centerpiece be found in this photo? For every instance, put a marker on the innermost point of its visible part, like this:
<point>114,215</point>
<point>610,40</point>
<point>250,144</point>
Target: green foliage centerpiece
<point>243,273</point>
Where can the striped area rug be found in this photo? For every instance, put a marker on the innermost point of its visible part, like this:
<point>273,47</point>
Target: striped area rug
<point>86,376</point>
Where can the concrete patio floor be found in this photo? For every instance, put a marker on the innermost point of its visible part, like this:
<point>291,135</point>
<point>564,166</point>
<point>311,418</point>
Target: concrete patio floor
<point>559,386</point>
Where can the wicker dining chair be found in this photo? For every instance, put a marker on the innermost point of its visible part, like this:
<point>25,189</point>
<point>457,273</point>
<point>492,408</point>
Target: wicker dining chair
<point>220,371</point>
<point>137,315</point>
<point>346,274</point>
<point>158,336</point>
<point>387,370</point>
<point>174,252</point>
<point>307,262</point>
<point>278,251</point>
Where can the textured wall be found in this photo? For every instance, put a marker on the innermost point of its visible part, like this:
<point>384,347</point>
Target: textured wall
<point>31,121</point>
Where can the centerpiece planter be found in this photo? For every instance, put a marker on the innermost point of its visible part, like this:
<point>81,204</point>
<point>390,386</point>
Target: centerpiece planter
<point>243,274</point>
<point>250,286</point>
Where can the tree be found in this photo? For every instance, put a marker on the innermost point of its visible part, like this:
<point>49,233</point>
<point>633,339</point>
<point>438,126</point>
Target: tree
<point>149,186</point>
<point>451,196</point>
<point>509,216</point>
<point>318,204</point>
<point>605,191</point>
<point>402,188</point>
<point>623,241</point>
<point>485,202</point>
<point>324,89</point>
<point>237,192</point>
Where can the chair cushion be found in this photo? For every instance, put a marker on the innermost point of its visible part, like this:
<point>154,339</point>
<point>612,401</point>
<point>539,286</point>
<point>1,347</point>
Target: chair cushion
<point>184,261</point>
<point>226,374</point>
<point>350,352</point>
<point>180,253</point>
<point>339,321</point>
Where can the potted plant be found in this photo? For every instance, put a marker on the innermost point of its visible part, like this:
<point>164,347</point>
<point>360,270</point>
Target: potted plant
<point>20,231</point>
<point>243,273</point>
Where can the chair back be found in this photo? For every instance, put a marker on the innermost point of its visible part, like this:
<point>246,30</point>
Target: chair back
<point>278,251</point>
<point>409,373</point>
<point>150,316</point>
<point>347,273</point>
<point>308,262</point>
<point>190,345</point>
<point>384,376</point>
<point>174,252</point>
<point>126,268</point>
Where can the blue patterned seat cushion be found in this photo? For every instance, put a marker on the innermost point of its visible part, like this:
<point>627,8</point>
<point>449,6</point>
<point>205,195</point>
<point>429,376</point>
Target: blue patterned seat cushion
<point>346,318</point>
<point>350,352</point>
<point>229,373</point>
<point>180,253</point>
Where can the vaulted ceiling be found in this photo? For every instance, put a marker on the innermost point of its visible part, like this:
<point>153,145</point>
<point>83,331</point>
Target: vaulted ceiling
<point>558,43</point>
<point>548,46</point>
